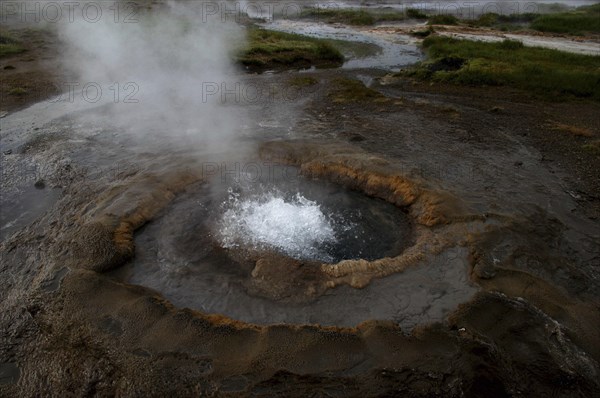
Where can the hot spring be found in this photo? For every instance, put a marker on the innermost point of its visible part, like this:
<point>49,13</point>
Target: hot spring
<point>296,226</point>
<point>202,251</point>
<point>304,219</point>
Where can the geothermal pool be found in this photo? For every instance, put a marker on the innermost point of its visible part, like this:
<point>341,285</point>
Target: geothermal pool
<point>199,253</point>
<point>303,218</point>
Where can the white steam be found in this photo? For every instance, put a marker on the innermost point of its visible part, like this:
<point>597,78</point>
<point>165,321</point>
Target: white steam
<point>155,69</point>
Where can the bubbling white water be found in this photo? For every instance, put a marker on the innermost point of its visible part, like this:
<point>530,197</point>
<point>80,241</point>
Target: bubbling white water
<point>297,226</point>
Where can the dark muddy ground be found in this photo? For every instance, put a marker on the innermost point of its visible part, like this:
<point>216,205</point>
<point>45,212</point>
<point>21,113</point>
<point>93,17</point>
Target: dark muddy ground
<point>498,295</point>
<point>34,74</point>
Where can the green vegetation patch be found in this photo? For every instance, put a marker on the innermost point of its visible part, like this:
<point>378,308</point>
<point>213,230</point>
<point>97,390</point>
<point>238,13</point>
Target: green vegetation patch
<point>423,33</point>
<point>9,45</point>
<point>442,19</point>
<point>302,81</point>
<point>496,20</point>
<point>346,16</point>
<point>346,90</point>
<point>350,16</point>
<point>17,91</point>
<point>271,49</point>
<point>415,14</point>
<point>550,73</point>
<point>575,22</point>
<point>592,147</point>
<point>578,22</point>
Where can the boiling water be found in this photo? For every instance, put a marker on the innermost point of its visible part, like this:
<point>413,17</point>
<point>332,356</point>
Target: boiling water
<point>297,227</point>
<point>305,219</point>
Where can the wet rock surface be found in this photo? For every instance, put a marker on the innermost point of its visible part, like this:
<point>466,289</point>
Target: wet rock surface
<point>497,294</point>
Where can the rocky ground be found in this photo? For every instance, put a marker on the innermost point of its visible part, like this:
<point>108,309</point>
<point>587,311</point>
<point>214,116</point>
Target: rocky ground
<point>500,180</point>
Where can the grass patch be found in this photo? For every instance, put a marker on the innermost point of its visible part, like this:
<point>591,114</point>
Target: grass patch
<point>361,17</point>
<point>413,13</point>
<point>349,90</point>
<point>577,22</point>
<point>349,16</point>
<point>17,91</point>
<point>592,147</point>
<point>345,16</point>
<point>423,33</point>
<point>271,49</point>
<point>9,45</point>
<point>509,22</point>
<point>572,130</point>
<point>550,73</point>
<point>302,81</point>
<point>443,19</point>
<point>555,19</point>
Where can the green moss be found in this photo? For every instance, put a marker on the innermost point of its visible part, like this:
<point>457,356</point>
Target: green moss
<point>415,14</point>
<point>511,45</point>
<point>423,33</point>
<point>302,81</point>
<point>347,16</point>
<point>489,19</point>
<point>443,19</point>
<point>268,48</point>
<point>9,45</point>
<point>578,22</point>
<point>346,90</point>
<point>17,91</point>
<point>351,16</point>
<point>556,19</point>
<point>549,73</point>
<point>593,147</point>
<point>504,22</point>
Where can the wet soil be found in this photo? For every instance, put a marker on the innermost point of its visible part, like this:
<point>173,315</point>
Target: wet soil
<point>505,203</point>
<point>33,75</point>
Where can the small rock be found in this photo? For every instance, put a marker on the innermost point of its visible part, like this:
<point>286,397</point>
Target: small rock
<point>574,195</point>
<point>518,163</point>
<point>356,138</point>
<point>9,373</point>
<point>8,152</point>
<point>9,67</point>
<point>39,184</point>
<point>484,270</point>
